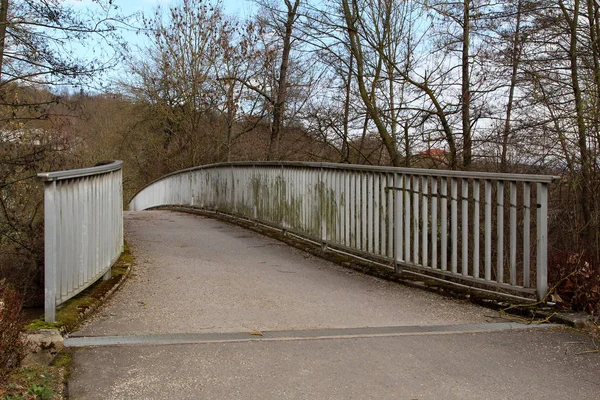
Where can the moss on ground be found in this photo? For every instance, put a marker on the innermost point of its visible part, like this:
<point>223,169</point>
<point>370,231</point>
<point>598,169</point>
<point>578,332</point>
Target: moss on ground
<point>70,314</point>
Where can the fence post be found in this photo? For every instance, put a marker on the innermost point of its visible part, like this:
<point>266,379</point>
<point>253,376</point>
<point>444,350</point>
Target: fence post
<point>321,195</point>
<point>542,239</point>
<point>50,251</point>
<point>398,222</point>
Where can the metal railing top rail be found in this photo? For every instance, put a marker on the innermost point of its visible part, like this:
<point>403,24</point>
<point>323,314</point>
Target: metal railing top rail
<point>532,178</point>
<point>78,173</point>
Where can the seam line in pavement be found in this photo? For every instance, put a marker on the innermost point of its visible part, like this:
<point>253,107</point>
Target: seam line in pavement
<point>289,335</point>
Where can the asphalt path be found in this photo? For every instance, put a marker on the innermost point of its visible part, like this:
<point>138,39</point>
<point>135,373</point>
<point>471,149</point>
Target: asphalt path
<point>214,311</point>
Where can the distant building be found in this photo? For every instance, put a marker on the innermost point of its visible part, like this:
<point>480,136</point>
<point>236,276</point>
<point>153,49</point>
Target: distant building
<point>438,154</point>
<point>23,136</point>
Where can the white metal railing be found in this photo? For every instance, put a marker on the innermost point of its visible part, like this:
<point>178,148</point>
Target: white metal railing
<point>466,227</point>
<point>83,217</point>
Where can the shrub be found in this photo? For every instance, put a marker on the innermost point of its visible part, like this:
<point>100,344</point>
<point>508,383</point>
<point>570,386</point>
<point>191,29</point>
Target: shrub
<point>12,347</point>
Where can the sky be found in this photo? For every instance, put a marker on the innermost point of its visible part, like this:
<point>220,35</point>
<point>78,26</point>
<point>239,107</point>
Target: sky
<point>239,8</point>
<point>233,7</point>
<point>130,6</point>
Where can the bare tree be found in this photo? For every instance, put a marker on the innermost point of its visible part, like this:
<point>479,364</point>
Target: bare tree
<point>279,24</point>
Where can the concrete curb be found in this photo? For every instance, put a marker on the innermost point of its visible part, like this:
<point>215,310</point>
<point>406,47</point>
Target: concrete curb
<point>83,315</point>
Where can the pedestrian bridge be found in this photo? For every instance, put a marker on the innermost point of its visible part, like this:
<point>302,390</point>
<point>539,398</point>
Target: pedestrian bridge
<point>469,229</point>
<point>213,310</point>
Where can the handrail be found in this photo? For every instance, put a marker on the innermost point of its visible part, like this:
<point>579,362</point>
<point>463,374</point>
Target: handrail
<point>466,227</point>
<point>79,173</point>
<point>83,233</point>
<point>359,167</point>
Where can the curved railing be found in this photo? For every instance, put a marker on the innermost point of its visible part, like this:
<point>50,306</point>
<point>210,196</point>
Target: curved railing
<point>83,218</point>
<point>469,228</point>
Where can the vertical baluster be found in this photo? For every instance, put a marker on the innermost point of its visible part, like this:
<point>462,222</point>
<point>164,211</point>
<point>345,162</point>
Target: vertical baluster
<point>353,208</point>
<point>69,222</point>
<point>51,279</point>
<point>85,237</point>
<point>299,199</point>
<point>254,193</point>
<point>407,221</point>
<point>526,234</point>
<point>330,198</point>
<point>391,212</point>
<point>347,195</point>
<point>337,209</point>
<point>93,227</point>
<point>375,214</point>
<point>281,198</point>
<point>454,223</point>
<point>97,217</point>
<point>500,232</point>
<point>291,183</point>
<point>513,233</point>
<point>307,200</point>
<point>424,221</point>
<point>476,232</point>
<point>465,226</point>
<point>341,213</point>
<point>79,239</point>
<point>542,240</point>
<point>325,203</point>
<point>275,196</point>
<point>434,222</point>
<point>104,213</point>
<point>329,194</point>
<point>302,199</point>
<point>444,224</point>
<point>322,205</point>
<point>383,214</point>
<point>365,232</point>
<point>65,237</point>
<point>488,230</point>
<point>398,216</point>
<point>108,232</point>
<point>415,219</point>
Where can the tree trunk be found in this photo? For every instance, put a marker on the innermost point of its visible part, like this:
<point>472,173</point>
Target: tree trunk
<point>585,183</point>
<point>355,46</point>
<point>279,104</point>
<point>515,52</point>
<point>3,25</point>
<point>346,127</point>
<point>466,83</point>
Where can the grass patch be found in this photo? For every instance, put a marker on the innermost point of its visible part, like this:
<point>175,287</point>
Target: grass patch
<point>40,382</point>
<point>63,360</point>
<point>70,314</point>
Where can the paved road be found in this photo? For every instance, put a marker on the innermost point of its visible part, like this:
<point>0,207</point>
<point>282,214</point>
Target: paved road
<point>219,312</point>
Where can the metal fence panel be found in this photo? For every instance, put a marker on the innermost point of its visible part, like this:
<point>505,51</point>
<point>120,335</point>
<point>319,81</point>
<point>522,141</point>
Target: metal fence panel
<point>83,217</point>
<point>408,218</point>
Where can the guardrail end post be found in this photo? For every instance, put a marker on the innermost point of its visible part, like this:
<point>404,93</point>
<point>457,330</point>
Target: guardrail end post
<point>49,306</point>
<point>50,279</point>
<point>542,241</point>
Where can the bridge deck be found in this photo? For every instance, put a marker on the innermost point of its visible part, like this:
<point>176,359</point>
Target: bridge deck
<point>241,312</point>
